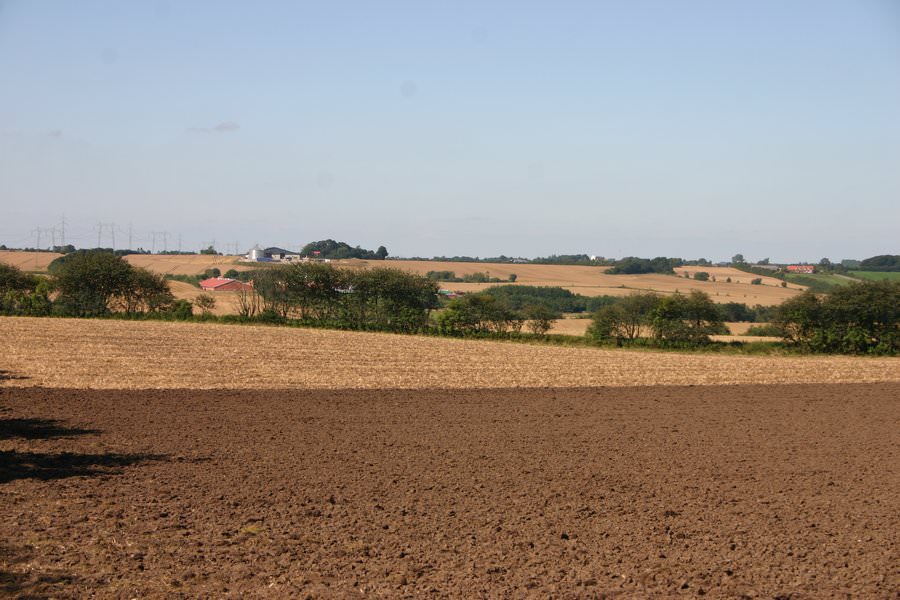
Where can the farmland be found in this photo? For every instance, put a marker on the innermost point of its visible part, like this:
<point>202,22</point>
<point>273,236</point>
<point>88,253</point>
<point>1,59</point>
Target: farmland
<point>204,460</point>
<point>876,275</point>
<point>140,354</point>
<point>151,458</point>
<point>587,281</point>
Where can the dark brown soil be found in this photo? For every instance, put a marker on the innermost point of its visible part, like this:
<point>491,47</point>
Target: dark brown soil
<point>744,491</point>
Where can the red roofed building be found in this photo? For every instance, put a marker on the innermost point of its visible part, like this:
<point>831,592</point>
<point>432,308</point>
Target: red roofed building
<point>224,284</point>
<point>810,269</point>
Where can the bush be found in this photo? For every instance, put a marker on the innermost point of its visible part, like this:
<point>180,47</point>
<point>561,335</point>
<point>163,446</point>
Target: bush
<point>442,276</point>
<point>181,310</point>
<point>756,281</point>
<point>701,276</point>
<point>205,302</point>
<point>540,318</point>
<point>767,330</point>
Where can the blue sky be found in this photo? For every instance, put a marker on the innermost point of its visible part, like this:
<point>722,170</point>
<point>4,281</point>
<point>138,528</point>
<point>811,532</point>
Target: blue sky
<point>693,128</point>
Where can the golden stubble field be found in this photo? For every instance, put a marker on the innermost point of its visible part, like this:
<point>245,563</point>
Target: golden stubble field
<point>100,354</point>
<point>593,281</point>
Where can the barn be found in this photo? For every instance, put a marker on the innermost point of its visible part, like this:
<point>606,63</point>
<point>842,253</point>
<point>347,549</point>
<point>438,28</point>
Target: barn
<point>224,284</point>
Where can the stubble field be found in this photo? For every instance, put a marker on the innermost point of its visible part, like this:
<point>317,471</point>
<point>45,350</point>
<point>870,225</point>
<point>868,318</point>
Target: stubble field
<point>171,460</point>
<point>113,354</point>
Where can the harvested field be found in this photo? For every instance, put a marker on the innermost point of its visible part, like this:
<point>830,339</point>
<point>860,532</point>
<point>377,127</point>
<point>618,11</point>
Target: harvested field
<point>28,261</point>
<point>105,354</point>
<point>185,264</point>
<point>735,491</point>
<point>226,302</point>
<point>593,281</point>
<point>570,326</point>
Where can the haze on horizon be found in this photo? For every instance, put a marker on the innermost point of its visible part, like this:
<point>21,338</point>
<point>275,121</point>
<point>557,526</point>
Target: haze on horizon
<point>644,128</point>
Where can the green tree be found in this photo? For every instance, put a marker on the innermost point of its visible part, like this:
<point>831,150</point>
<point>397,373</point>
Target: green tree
<point>478,313</point>
<point>701,276</point>
<point>88,281</point>
<point>22,293</point>
<point>859,318</point>
<point>144,292</point>
<point>540,318</point>
<point>625,319</point>
<point>690,319</point>
<point>205,302</point>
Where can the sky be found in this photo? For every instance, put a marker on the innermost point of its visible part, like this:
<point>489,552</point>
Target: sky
<point>698,128</point>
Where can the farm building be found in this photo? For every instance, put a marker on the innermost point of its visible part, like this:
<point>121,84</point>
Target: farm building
<point>271,254</point>
<point>809,269</point>
<point>224,284</point>
<point>276,253</point>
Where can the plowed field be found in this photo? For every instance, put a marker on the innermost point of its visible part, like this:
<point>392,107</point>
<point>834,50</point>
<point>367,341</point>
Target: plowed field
<point>280,463</point>
<point>725,491</point>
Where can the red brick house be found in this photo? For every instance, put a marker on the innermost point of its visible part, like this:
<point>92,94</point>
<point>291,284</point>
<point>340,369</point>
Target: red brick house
<point>224,284</point>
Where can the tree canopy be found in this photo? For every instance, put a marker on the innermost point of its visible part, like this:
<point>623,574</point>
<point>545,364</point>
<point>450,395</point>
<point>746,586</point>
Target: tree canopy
<point>340,250</point>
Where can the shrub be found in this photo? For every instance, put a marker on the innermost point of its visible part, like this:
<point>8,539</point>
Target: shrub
<point>205,302</point>
<point>701,276</point>
<point>756,281</point>
<point>181,310</point>
<point>540,318</point>
<point>767,330</point>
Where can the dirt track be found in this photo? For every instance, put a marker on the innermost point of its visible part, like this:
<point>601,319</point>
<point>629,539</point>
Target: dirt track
<point>735,491</point>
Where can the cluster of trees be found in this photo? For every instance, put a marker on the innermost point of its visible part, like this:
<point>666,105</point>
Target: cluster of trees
<point>485,314</point>
<point>677,320</point>
<point>572,259</point>
<point>860,318</point>
<point>477,277</point>
<point>86,283</point>
<point>632,265</point>
<point>883,262</point>
<point>556,299</point>
<point>320,294</point>
<point>22,293</point>
<point>341,250</point>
